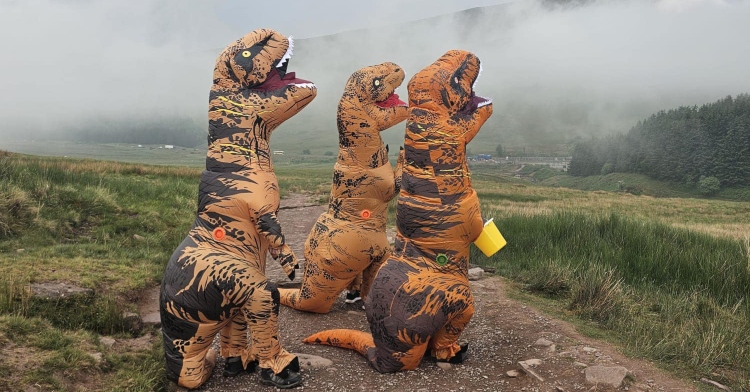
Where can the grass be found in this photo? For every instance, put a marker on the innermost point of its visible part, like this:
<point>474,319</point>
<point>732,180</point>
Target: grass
<point>667,278</point>
<point>66,360</point>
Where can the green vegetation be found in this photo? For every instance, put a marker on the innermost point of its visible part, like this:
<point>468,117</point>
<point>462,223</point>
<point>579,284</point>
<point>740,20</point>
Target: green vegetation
<point>668,278</point>
<point>666,289</point>
<point>107,226</point>
<point>702,147</point>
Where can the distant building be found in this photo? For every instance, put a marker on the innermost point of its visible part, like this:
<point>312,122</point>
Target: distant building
<point>169,146</point>
<point>484,157</point>
<point>278,152</point>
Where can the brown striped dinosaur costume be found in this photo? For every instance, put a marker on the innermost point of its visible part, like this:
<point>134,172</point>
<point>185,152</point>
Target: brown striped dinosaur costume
<point>420,298</point>
<point>214,282</point>
<point>350,237</point>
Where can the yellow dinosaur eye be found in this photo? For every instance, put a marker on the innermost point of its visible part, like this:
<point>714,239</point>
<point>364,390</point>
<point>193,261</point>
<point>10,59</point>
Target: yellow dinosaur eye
<point>377,82</point>
<point>246,53</point>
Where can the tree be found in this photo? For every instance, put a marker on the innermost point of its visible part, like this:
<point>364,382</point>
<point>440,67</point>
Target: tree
<point>709,185</point>
<point>499,150</point>
<point>306,151</point>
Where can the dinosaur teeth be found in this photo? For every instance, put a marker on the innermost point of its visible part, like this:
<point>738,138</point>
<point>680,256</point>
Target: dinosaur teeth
<point>288,54</point>
<point>486,102</point>
<point>473,86</point>
<point>303,85</point>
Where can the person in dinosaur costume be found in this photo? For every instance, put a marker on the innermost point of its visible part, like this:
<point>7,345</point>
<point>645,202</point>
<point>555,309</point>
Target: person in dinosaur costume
<point>420,298</point>
<point>350,236</point>
<point>214,282</point>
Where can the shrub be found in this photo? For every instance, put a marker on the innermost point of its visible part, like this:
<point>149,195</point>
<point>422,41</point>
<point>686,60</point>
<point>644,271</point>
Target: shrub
<point>709,185</point>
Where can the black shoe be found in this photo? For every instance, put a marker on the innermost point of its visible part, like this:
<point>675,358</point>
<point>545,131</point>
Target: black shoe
<point>233,367</point>
<point>352,297</point>
<point>460,355</point>
<point>287,378</point>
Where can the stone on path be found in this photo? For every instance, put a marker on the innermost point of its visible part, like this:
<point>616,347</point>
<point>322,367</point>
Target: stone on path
<point>152,320</point>
<point>542,342</point>
<point>528,370</point>
<point>444,365</point>
<point>476,274</point>
<point>133,322</point>
<point>107,341</point>
<point>309,361</point>
<point>606,375</point>
<point>512,373</point>
<point>533,362</point>
<point>715,384</point>
<point>59,290</point>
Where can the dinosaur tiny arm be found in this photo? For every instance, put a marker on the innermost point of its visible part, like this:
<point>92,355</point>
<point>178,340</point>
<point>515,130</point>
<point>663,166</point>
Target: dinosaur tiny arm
<point>270,229</point>
<point>398,172</point>
<point>391,116</point>
<point>476,121</point>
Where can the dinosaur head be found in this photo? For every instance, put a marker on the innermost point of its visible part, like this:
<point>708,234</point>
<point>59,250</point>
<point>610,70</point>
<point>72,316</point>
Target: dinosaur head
<point>368,106</point>
<point>255,66</point>
<point>373,89</point>
<point>446,88</point>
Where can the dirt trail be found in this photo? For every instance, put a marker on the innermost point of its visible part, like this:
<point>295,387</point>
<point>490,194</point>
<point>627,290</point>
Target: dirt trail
<point>502,333</point>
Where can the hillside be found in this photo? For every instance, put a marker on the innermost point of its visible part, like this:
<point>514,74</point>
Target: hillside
<point>705,147</point>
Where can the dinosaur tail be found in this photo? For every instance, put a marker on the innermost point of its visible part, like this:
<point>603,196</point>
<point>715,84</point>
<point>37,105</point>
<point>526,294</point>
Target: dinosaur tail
<point>345,338</point>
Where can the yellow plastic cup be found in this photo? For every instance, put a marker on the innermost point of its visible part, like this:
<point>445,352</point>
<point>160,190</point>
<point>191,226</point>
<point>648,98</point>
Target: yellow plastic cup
<point>490,240</point>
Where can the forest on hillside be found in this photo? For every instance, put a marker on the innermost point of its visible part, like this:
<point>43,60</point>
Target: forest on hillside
<point>706,147</point>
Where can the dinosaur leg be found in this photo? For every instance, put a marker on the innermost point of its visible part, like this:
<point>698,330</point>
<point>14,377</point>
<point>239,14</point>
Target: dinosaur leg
<point>262,312</point>
<point>317,293</point>
<point>198,358</point>
<point>234,342</point>
<point>355,284</point>
<point>368,275</point>
<point>328,270</point>
<point>444,343</point>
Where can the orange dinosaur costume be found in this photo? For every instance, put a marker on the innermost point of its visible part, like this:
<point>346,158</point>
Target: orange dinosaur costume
<point>420,298</point>
<point>214,282</point>
<point>350,237</point>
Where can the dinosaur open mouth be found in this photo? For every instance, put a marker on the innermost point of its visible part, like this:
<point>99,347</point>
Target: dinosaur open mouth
<point>475,102</point>
<point>276,82</point>
<point>480,101</point>
<point>391,101</point>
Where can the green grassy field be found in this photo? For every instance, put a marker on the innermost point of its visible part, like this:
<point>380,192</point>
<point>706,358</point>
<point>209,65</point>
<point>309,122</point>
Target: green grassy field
<point>667,278</point>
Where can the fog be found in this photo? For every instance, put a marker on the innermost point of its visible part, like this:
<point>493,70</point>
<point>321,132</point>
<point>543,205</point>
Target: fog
<point>554,72</point>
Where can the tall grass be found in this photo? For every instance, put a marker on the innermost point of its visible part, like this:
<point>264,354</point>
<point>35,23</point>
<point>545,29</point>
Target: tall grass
<point>672,294</point>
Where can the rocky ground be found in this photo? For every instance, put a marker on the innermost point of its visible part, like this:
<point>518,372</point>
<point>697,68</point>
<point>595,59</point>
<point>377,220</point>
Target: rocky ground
<point>512,346</point>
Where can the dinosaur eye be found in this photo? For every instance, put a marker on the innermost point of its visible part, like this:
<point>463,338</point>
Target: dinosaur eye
<point>455,79</point>
<point>246,53</point>
<point>376,82</point>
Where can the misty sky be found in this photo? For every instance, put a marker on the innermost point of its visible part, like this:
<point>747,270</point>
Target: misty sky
<point>305,18</point>
<point>605,64</point>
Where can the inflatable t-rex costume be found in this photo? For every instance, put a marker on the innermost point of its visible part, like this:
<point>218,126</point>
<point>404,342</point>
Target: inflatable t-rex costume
<point>350,237</point>
<point>420,297</point>
<point>215,280</point>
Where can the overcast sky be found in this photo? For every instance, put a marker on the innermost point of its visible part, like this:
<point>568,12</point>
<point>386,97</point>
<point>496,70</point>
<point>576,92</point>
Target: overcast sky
<point>68,60</point>
<point>311,18</point>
